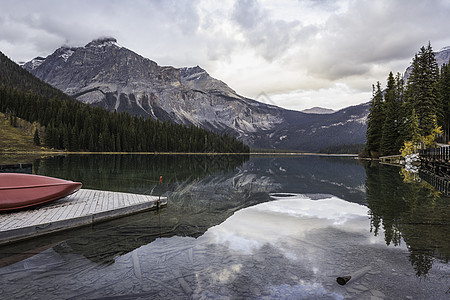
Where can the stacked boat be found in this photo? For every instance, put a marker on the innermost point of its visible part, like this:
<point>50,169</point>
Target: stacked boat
<point>19,191</point>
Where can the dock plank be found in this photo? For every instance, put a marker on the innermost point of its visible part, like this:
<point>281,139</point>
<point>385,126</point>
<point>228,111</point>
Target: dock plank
<point>82,208</point>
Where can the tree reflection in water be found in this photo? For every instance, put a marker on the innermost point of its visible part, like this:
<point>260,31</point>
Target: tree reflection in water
<point>409,208</point>
<point>136,173</point>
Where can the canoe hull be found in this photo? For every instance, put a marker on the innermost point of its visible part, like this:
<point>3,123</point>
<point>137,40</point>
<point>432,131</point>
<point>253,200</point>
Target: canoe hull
<point>19,191</point>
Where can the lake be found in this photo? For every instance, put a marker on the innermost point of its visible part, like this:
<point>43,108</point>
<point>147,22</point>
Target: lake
<point>242,227</point>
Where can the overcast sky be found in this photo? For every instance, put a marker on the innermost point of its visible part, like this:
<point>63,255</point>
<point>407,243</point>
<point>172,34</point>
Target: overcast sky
<point>301,53</point>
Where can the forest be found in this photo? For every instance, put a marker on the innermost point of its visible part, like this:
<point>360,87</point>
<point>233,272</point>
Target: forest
<point>71,125</point>
<point>408,115</point>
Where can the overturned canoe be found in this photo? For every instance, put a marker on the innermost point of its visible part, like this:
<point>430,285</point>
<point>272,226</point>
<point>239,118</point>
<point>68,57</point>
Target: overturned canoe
<point>24,190</point>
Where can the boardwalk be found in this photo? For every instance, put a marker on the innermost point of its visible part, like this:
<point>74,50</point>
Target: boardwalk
<point>82,208</point>
<point>392,160</point>
<point>436,161</point>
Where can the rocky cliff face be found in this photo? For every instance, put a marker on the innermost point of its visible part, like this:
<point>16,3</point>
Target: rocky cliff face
<point>105,74</point>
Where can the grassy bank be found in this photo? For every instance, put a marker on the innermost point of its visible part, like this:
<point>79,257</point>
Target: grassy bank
<point>17,146</point>
<point>15,139</point>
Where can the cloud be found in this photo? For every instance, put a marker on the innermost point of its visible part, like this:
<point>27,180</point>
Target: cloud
<point>42,26</point>
<point>374,32</point>
<point>335,96</point>
<point>248,13</point>
<point>282,47</point>
<point>271,38</point>
<point>333,51</point>
<point>49,24</point>
<point>183,13</point>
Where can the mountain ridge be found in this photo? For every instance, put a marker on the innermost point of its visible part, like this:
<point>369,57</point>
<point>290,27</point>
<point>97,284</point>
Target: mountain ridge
<point>105,74</point>
<point>318,110</point>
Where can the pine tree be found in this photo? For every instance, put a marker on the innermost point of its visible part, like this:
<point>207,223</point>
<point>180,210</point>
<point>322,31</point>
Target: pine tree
<point>414,138</point>
<point>375,122</point>
<point>392,140</point>
<point>443,118</point>
<point>414,128</point>
<point>421,89</point>
<point>389,135</point>
<point>36,138</point>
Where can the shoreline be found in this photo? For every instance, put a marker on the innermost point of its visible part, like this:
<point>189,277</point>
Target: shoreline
<point>24,157</point>
<point>171,153</point>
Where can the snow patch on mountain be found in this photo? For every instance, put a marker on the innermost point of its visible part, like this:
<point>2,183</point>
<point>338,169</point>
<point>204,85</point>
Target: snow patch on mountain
<point>361,120</point>
<point>36,62</point>
<point>66,54</point>
<point>193,73</point>
<point>356,119</point>
<point>103,42</point>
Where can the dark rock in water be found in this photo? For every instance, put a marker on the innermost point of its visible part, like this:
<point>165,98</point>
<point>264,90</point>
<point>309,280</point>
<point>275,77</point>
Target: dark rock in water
<point>343,280</point>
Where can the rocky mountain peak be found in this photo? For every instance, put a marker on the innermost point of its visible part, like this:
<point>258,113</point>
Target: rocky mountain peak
<point>192,71</point>
<point>33,64</point>
<point>198,79</point>
<point>104,74</point>
<point>65,52</point>
<point>102,42</point>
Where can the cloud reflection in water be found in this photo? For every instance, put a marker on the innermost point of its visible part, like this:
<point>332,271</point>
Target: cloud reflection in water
<point>289,216</point>
<point>292,248</point>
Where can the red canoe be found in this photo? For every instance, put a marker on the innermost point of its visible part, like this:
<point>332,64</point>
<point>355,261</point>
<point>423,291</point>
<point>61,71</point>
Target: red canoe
<point>25,190</point>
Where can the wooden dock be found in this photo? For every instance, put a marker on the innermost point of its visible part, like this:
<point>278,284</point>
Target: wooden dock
<point>82,208</point>
<point>16,166</point>
<point>392,160</point>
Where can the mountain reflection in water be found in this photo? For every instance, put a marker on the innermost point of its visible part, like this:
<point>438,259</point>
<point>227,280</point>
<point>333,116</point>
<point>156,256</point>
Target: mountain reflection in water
<point>240,227</point>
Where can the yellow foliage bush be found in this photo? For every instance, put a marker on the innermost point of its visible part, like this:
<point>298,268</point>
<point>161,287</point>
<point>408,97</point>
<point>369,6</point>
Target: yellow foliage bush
<point>409,147</point>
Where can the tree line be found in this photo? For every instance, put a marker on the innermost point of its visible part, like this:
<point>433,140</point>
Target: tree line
<point>405,115</point>
<point>74,126</point>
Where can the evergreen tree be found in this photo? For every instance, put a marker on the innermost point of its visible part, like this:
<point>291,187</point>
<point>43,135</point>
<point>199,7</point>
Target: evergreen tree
<point>392,140</point>
<point>389,137</point>
<point>443,118</point>
<point>421,89</point>
<point>36,138</point>
<point>375,122</point>
<point>414,128</point>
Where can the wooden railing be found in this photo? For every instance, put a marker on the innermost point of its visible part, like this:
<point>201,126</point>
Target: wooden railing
<point>438,154</point>
<point>436,161</point>
<point>439,183</point>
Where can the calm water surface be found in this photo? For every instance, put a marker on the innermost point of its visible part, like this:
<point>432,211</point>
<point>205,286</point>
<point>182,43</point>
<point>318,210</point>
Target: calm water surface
<point>240,227</point>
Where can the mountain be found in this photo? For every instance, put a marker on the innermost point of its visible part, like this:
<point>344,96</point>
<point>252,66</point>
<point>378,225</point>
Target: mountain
<point>105,74</point>
<point>442,57</point>
<point>312,132</point>
<point>318,110</point>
